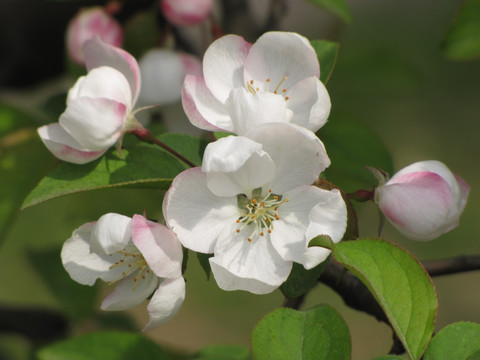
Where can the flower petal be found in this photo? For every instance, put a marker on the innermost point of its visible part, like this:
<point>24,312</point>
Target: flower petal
<point>82,265</point>
<point>129,293</point>
<point>195,214</point>
<point>310,103</point>
<point>420,207</point>
<point>97,53</point>
<point>165,302</point>
<point>252,266</point>
<point>282,57</point>
<point>223,65</point>
<point>159,246</point>
<point>236,165</point>
<point>202,108</point>
<point>95,123</point>
<point>102,82</point>
<point>111,233</point>
<point>247,110</point>
<point>299,157</point>
<point>63,146</point>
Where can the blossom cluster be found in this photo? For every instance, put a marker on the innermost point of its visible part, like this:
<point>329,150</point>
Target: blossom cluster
<point>252,204</point>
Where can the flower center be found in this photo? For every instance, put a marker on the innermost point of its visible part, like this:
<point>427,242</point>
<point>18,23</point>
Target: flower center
<point>132,261</point>
<point>278,90</point>
<point>259,213</point>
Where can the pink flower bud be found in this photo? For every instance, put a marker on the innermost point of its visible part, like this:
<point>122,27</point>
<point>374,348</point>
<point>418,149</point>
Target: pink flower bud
<point>186,12</point>
<point>87,23</point>
<point>423,200</point>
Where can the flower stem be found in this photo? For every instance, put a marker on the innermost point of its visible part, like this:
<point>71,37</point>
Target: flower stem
<point>146,136</point>
<point>362,195</point>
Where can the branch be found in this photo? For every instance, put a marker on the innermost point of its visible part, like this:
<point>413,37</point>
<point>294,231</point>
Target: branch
<point>452,265</point>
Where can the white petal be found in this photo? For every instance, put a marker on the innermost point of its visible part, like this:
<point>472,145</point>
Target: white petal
<point>236,165</point>
<point>83,266</point>
<point>422,209</point>
<point>97,53</point>
<point>128,294</point>
<point>111,233</point>
<point>95,123</point>
<point>159,246</point>
<point>195,214</point>
<point>223,65</point>
<point>247,110</point>
<point>298,154</point>
<point>162,77</point>
<point>64,146</point>
<point>202,108</point>
<point>280,56</point>
<point>310,103</point>
<point>102,82</point>
<point>166,302</point>
<point>252,266</point>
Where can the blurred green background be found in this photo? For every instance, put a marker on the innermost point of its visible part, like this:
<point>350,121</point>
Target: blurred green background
<point>392,76</point>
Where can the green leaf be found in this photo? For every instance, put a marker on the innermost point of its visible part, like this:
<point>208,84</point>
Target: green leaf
<point>459,341</point>
<point>104,346</point>
<point>141,166</point>
<point>351,145</point>
<point>76,300</point>
<point>205,263</point>
<point>462,41</point>
<point>338,7</point>
<point>287,334</point>
<point>327,53</point>
<point>389,357</point>
<point>20,170</point>
<point>141,33</point>
<point>301,280</point>
<point>223,352</point>
<point>221,134</point>
<point>399,283</point>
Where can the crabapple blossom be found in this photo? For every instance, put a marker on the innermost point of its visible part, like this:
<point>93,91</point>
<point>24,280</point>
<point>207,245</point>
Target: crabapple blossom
<point>423,200</point>
<point>186,12</point>
<point>99,106</point>
<point>87,23</point>
<point>140,256</point>
<point>275,79</point>
<point>252,205</point>
<point>163,72</point>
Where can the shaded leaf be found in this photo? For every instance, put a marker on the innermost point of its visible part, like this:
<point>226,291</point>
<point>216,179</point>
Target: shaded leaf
<point>352,145</point>
<point>462,41</point>
<point>205,263</point>
<point>223,352</point>
<point>327,52</point>
<point>287,334</point>
<point>104,346</point>
<point>141,33</point>
<point>301,280</point>
<point>141,166</point>
<point>399,283</point>
<point>459,341</point>
<point>338,7</point>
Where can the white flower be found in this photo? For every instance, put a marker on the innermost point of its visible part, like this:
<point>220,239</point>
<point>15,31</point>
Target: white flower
<point>99,106</point>
<point>423,200</point>
<point>143,257</point>
<point>186,12</point>
<point>163,72</point>
<point>253,206</point>
<point>274,80</point>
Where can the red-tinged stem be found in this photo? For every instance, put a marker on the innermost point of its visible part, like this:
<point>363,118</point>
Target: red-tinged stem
<point>362,195</point>
<point>146,136</point>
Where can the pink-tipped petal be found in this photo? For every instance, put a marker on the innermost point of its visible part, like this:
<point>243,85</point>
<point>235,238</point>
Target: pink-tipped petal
<point>310,103</point>
<point>283,58</point>
<point>223,65</point>
<point>64,147</point>
<point>96,123</point>
<point>97,54</point>
<point>299,158</point>
<point>165,302</point>
<point>186,12</point>
<point>159,246</point>
<point>202,108</point>
<point>195,214</point>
